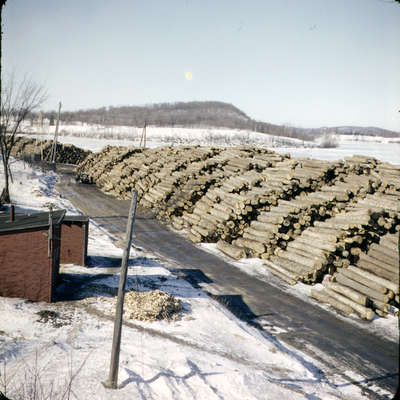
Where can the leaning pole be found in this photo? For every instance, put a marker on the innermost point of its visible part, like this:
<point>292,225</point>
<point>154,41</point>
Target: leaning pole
<point>112,382</point>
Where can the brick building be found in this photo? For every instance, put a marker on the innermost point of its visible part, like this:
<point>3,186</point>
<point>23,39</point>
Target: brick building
<point>32,246</point>
<point>74,234</point>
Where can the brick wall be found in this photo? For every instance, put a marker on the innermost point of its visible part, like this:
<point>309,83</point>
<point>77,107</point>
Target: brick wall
<point>73,242</point>
<point>25,269</point>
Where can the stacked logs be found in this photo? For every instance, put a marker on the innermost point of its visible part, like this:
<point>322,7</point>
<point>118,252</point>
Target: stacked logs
<point>97,165</point>
<point>35,150</point>
<point>305,218</point>
<point>200,181</point>
<point>173,177</point>
<point>191,183</point>
<point>371,286</point>
<point>118,170</point>
<point>225,209</point>
<point>282,223</point>
<point>142,174</point>
<point>118,163</point>
<point>284,208</point>
<point>334,243</point>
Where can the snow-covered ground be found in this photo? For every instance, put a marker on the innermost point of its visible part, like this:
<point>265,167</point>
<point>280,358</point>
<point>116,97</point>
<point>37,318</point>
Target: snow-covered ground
<point>206,354</point>
<point>94,137</point>
<point>162,136</point>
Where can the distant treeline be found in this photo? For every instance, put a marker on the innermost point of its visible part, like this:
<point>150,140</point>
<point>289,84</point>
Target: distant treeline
<point>197,114</point>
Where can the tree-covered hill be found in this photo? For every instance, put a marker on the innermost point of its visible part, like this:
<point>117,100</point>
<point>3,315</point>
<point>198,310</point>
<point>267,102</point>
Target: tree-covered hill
<point>195,114</point>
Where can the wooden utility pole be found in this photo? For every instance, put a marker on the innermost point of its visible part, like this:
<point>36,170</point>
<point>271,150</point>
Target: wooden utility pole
<point>143,138</point>
<point>41,132</point>
<point>112,382</point>
<point>54,148</point>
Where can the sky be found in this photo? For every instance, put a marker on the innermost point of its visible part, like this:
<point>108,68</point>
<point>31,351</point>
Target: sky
<point>307,63</point>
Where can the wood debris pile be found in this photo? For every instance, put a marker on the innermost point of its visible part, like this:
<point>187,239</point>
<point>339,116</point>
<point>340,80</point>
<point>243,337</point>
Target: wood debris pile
<point>151,306</point>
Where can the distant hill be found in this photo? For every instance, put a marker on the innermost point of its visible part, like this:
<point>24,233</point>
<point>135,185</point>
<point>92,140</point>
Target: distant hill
<point>203,114</point>
<point>188,114</point>
<point>368,131</point>
<point>350,130</point>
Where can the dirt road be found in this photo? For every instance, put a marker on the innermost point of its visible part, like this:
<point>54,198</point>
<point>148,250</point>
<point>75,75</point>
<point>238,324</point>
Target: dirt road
<point>337,345</point>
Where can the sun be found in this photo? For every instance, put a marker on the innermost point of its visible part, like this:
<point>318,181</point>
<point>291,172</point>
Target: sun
<point>188,76</point>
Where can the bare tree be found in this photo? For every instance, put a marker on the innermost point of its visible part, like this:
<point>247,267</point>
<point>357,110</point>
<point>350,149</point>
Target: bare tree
<point>18,100</point>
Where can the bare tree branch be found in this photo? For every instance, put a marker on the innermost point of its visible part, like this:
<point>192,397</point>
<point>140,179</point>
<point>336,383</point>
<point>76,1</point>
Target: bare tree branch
<point>18,100</point>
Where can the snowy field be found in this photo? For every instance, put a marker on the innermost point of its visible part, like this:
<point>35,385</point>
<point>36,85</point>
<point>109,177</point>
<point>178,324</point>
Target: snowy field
<point>206,354</point>
<point>163,136</point>
<point>94,138</point>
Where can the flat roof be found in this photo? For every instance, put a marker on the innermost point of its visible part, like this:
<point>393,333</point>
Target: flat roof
<point>29,221</point>
<point>76,218</point>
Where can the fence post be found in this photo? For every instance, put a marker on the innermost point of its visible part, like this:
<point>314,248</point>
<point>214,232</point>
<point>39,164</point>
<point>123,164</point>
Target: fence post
<point>112,382</point>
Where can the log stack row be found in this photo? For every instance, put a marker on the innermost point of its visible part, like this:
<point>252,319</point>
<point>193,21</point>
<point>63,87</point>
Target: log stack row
<point>305,218</point>
<point>160,174</point>
<point>204,173</point>
<point>240,199</point>
<point>334,243</point>
<point>368,287</point>
<point>390,176</point>
<point>158,184</point>
<point>231,196</point>
<point>199,182</point>
<point>282,223</point>
<point>36,150</point>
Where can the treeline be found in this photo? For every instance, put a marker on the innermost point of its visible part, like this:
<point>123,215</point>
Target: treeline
<point>198,114</point>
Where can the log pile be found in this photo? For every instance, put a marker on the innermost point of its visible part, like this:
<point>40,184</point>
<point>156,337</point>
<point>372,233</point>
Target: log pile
<point>337,242</point>
<point>283,206</point>
<point>368,287</point>
<point>305,218</point>
<point>199,182</point>
<point>176,194</point>
<point>99,166</point>
<point>192,167</point>
<point>276,227</point>
<point>159,175</point>
<point>36,150</point>
<point>119,170</point>
<point>225,210</point>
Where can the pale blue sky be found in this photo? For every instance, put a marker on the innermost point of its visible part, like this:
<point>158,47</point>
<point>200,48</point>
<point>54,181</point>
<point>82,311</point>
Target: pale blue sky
<point>309,63</point>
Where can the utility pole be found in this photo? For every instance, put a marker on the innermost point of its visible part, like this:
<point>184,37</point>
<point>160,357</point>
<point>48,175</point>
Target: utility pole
<point>112,382</point>
<point>41,132</point>
<point>143,138</point>
<point>54,148</point>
